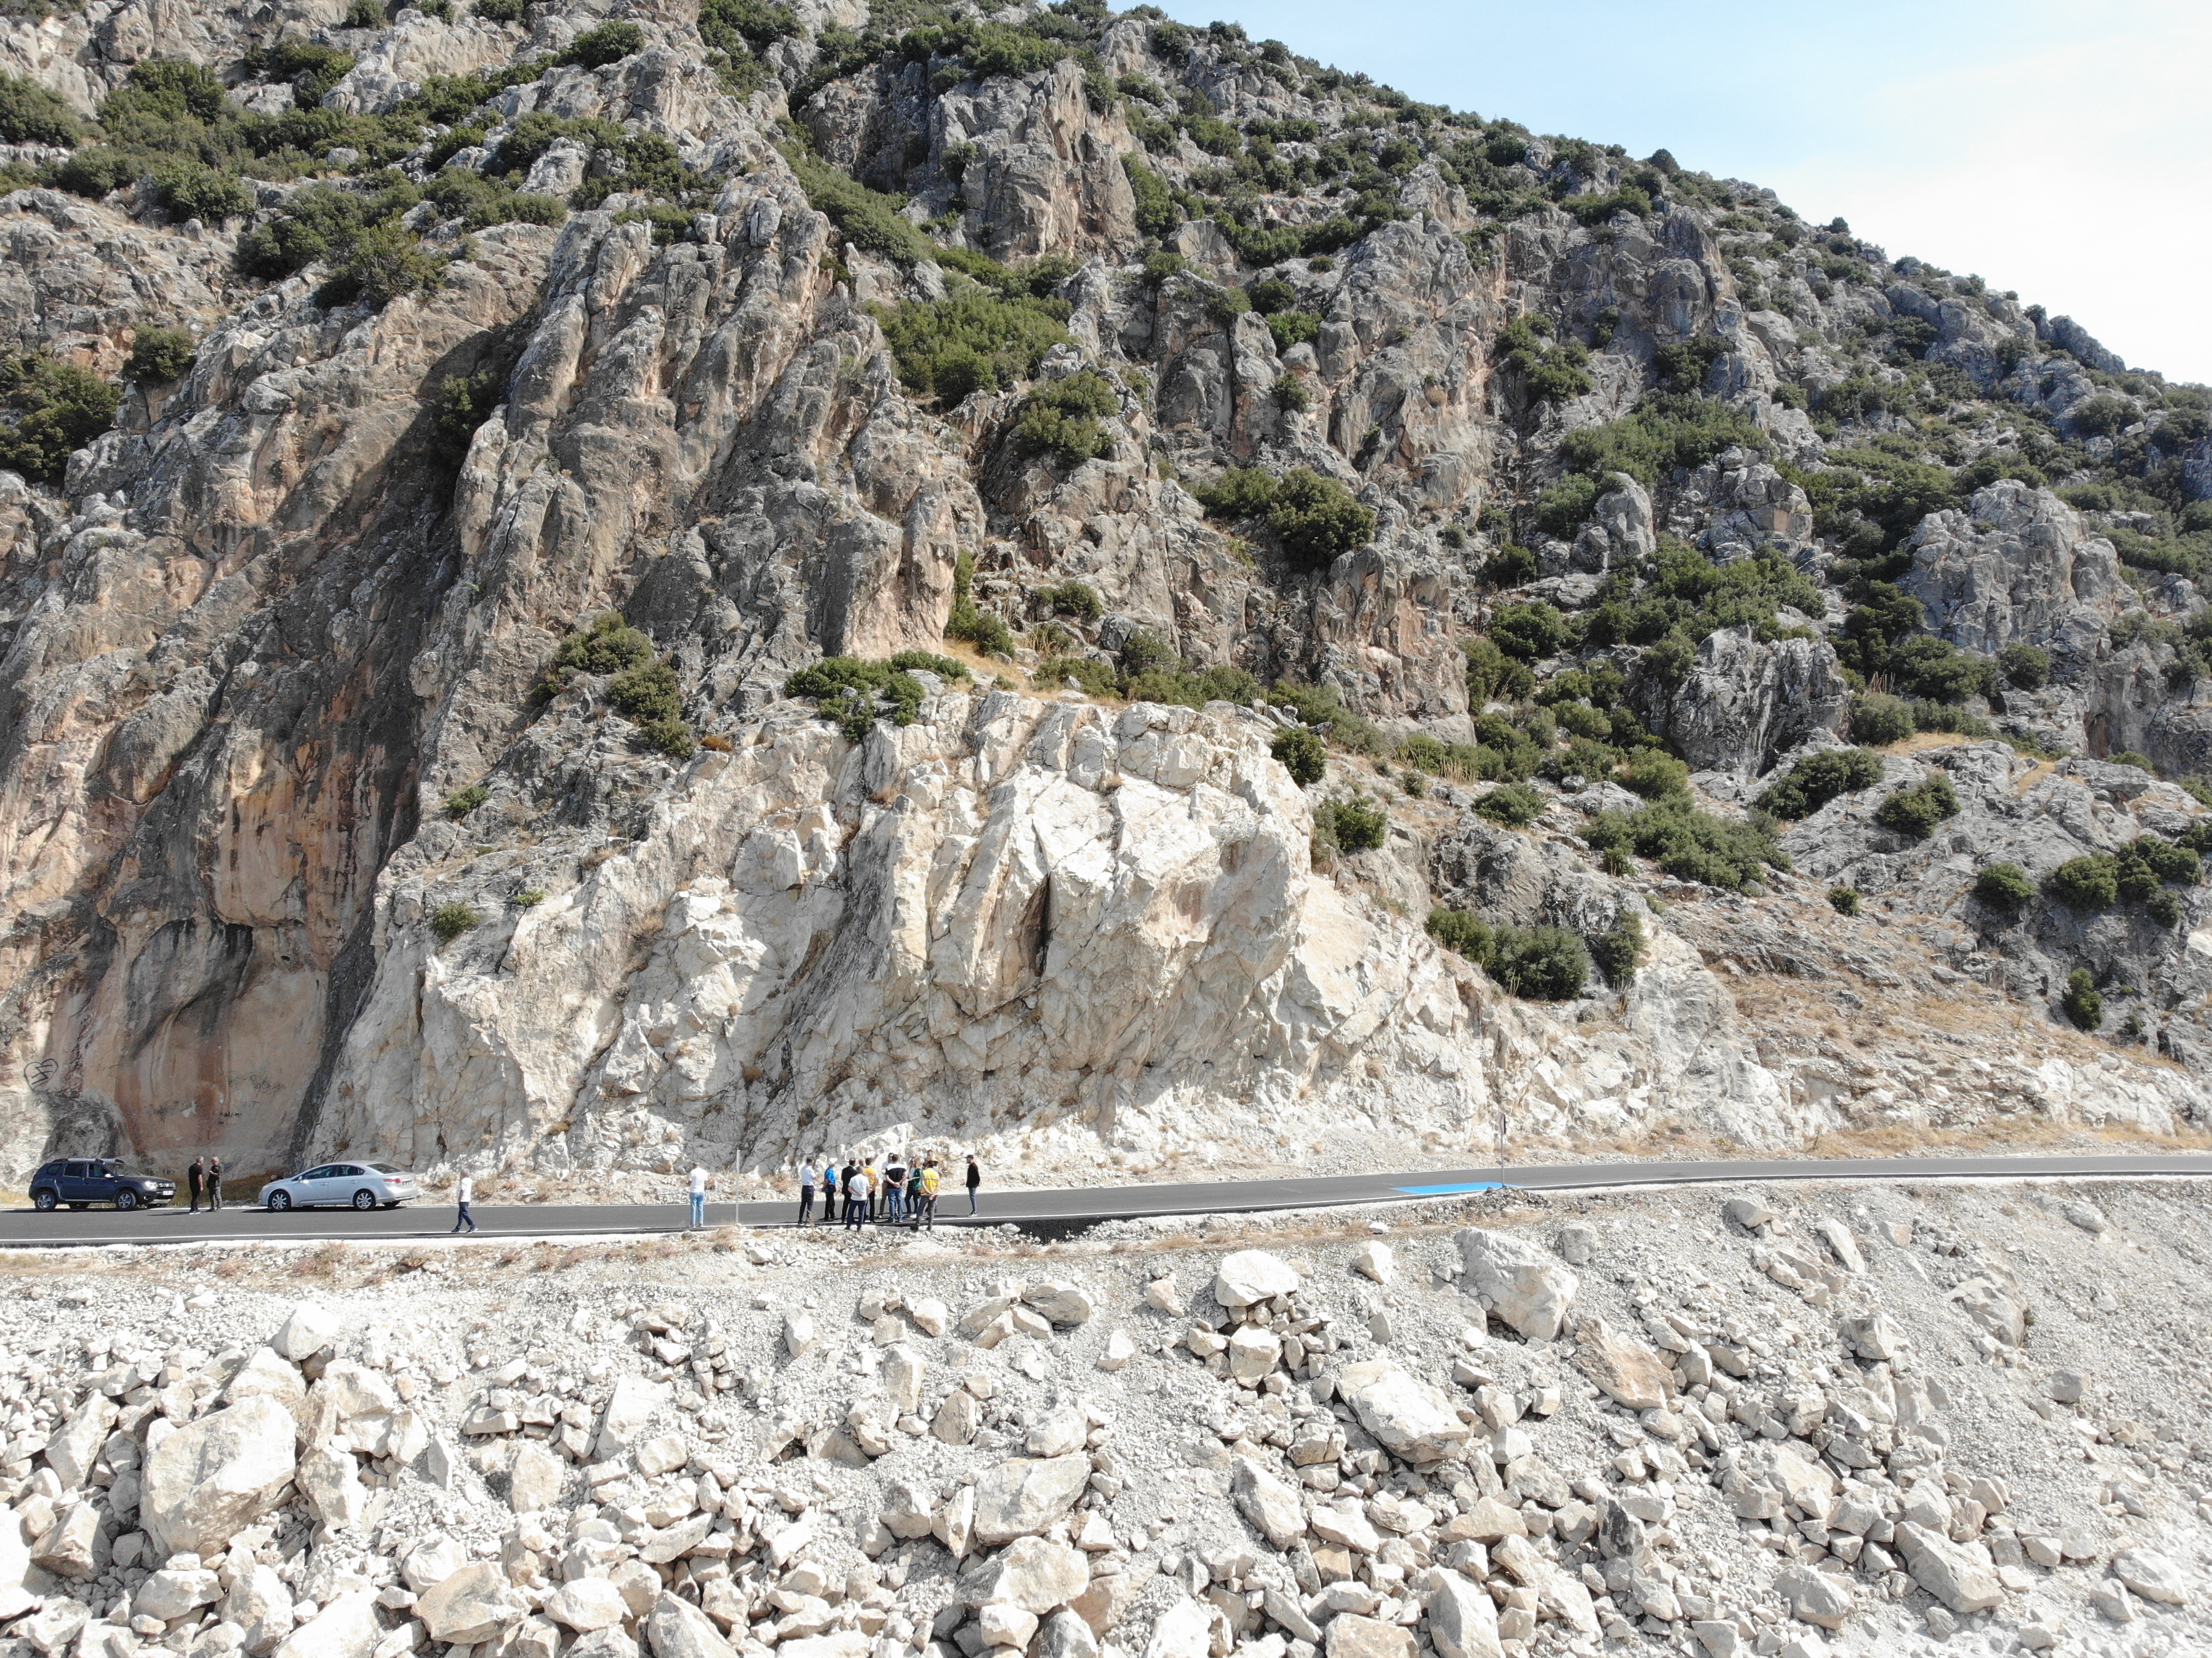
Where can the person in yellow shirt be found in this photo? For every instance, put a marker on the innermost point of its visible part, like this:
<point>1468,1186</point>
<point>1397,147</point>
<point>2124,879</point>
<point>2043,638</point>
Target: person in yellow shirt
<point>929,1195</point>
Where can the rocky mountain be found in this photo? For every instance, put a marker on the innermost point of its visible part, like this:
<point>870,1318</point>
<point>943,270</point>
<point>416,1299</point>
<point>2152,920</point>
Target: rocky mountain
<point>594,586</point>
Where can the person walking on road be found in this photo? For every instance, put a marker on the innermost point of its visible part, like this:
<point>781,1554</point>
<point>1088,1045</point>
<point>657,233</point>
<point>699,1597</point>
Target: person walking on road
<point>807,1192</point>
<point>462,1195</point>
<point>929,1195</point>
<point>914,1193</point>
<point>699,1178</point>
<point>975,1180</point>
<point>829,1191</point>
<point>213,1184</point>
<point>875,1180</point>
<point>195,1177</point>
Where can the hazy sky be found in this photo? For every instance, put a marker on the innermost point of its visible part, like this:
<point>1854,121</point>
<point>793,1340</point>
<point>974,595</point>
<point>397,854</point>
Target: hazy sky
<point>2063,150</point>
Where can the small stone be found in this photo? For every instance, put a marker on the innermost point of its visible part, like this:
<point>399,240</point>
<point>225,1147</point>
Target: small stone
<point>535,1479</point>
<point>474,1605</point>
<point>307,1331</point>
<point>1815,1597</point>
<point>2067,1387</point>
<point>1162,1297</point>
<point>1120,1350</point>
<point>1577,1243</point>
<point>587,1604</point>
<point>1518,1283</point>
<point>1252,1275</point>
<point>1748,1213</point>
<point>1351,1636</point>
<point>1374,1259</point>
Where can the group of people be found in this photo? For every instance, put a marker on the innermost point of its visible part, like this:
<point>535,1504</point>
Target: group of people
<point>204,1177</point>
<point>901,1189</point>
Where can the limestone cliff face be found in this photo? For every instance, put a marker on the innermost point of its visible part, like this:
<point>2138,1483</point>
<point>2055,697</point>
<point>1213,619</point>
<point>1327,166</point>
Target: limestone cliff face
<point>261,634</point>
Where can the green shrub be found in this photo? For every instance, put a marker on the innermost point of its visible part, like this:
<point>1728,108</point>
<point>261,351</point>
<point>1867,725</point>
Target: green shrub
<point>159,355</point>
<point>1530,631</point>
<point>1157,214</point>
<point>1618,951</point>
<point>185,189</point>
<point>29,114</point>
<point>2129,758</point>
<point>1689,844</point>
<point>463,801</point>
<point>529,897</point>
<point>2004,888</point>
<point>497,11</point>
<point>2081,1002</point>
<point>1239,492</point>
<point>1663,433</point>
<point>1063,419</point>
<point>867,218</point>
<point>1143,652</point>
<point>1878,720</point>
<point>48,411</point>
<point>735,26</point>
<point>449,921</point>
<point>1291,394</point>
<point>971,340</point>
<point>1818,779</point>
<point>1493,675</point>
<point>604,44</point>
<point>1542,963</point>
<point>1915,810</point>
<point>96,173</point>
<point>1515,806</point>
<point>2163,908</point>
<point>383,263</point>
<point>1539,963</point>
<point>1316,518</point>
<point>1293,328</point>
<point>608,646</point>
<point>1349,825</point>
<point>1845,901</point>
<point>646,693</point>
<point>1654,775</point>
<point>2087,883</point>
<point>970,621</point>
<point>1510,566</point>
<point>847,687</point>
<point>1075,598</point>
<point>1303,753</point>
<point>1192,689</point>
<point>1460,931</point>
<point>2026,666</point>
<point>669,735</point>
<point>461,404</point>
<point>1321,707</point>
<point>1562,509</point>
<point>1092,676</point>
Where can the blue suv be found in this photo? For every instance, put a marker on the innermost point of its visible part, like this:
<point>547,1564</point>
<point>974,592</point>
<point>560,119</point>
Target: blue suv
<point>80,1182</point>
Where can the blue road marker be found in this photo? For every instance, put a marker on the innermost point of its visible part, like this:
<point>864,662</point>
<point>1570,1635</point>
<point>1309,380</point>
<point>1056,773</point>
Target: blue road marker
<point>1447,1191</point>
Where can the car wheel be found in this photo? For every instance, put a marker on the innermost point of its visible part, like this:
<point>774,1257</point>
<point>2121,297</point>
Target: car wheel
<point>280,1201</point>
<point>364,1199</point>
<point>45,1202</point>
<point>127,1198</point>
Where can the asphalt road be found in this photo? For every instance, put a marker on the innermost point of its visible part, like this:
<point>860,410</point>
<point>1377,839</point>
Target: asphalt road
<point>1064,1209</point>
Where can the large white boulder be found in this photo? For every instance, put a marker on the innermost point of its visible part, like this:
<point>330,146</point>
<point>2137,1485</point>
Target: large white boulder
<point>1251,1275</point>
<point>211,1479</point>
<point>1024,1495</point>
<point>1516,1282</point>
<point>1409,1418</point>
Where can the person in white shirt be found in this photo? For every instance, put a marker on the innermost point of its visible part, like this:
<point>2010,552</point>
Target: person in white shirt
<point>806,1191</point>
<point>698,1195</point>
<point>461,1194</point>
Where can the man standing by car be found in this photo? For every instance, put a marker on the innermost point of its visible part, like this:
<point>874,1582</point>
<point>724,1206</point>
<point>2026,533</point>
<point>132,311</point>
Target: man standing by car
<point>194,1176</point>
<point>461,1194</point>
<point>215,1184</point>
<point>698,1194</point>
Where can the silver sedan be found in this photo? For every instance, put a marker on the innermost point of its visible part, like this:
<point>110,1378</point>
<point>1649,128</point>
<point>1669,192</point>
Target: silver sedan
<point>357,1185</point>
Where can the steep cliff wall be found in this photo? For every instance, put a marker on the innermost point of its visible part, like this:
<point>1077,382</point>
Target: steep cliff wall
<point>1160,364</point>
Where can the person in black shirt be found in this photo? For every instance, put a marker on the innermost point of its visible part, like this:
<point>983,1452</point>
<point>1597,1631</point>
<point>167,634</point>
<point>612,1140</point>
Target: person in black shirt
<point>894,1188</point>
<point>975,1180</point>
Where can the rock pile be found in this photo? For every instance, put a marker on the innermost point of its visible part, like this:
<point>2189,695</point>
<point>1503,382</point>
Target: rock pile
<point>1750,1426</point>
